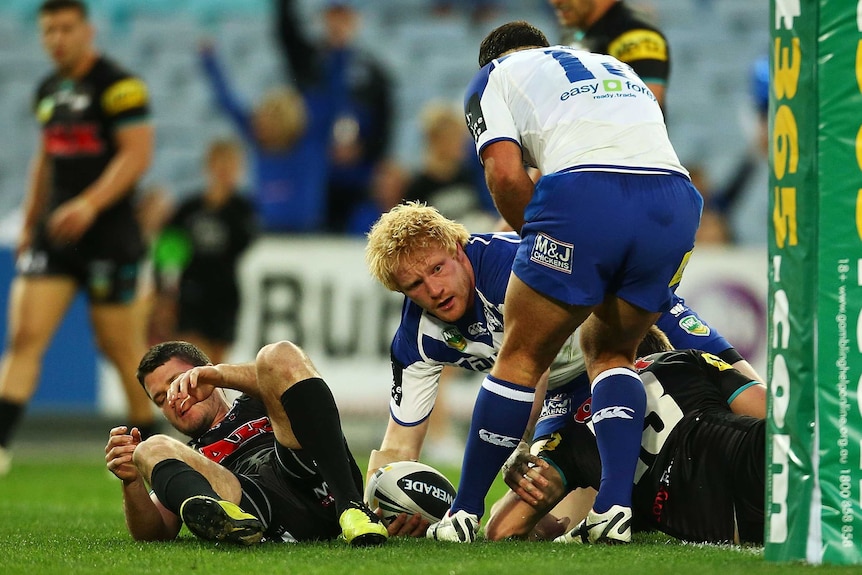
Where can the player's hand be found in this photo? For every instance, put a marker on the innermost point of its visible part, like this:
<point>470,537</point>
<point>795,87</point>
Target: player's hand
<point>118,453</point>
<point>71,220</point>
<point>522,472</point>
<point>550,527</point>
<point>193,386</point>
<point>405,525</point>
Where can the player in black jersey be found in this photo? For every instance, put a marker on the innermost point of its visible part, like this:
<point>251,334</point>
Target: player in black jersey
<point>702,464</point>
<point>275,465</point>
<point>79,226</point>
<point>615,28</point>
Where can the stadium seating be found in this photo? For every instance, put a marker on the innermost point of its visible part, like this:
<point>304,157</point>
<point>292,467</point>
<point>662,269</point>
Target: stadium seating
<point>712,43</point>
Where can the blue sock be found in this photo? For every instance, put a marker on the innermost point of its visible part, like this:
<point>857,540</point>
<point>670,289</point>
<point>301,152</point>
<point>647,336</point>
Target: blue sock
<point>618,406</point>
<point>499,418</point>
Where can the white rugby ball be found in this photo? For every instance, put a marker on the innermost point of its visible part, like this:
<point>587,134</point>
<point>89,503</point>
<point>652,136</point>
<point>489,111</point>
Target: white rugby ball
<point>409,487</point>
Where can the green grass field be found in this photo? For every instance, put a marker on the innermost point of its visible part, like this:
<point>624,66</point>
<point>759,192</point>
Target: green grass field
<point>62,513</point>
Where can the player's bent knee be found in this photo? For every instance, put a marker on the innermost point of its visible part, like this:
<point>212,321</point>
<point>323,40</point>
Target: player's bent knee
<point>282,356</point>
<point>155,447</point>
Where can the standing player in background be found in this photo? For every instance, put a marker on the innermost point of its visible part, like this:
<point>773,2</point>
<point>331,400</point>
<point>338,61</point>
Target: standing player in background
<point>613,27</point>
<point>197,254</point>
<point>364,101</point>
<point>80,229</point>
<point>605,236</point>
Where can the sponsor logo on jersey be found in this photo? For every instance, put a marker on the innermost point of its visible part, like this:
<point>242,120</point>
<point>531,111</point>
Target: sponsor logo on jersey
<point>610,88</point>
<point>552,253</point>
<point>663,494</point>
<point>548,444</point>
<point>124,95</point>
<point>639,45</point>
<point>584,411</point>
<point>397,378</point>
<point>716,361</point>
<point>613,412</point>
<point>677,277</point>
<point>73,140</point>
<point>475,118</point>
<point>45,110</point>
<point>219,450</point>
<point>477,328</point>
<point>32,262</point>
<point>676,310</point>
<point>497,439</point>
<point>661,498</point>
<point>101,278</point>
<point>426,488</point>
<point>454,339</point>
<point>556,406</point>
<point>691,324</point>
<point>494,324</point>
<point>641,363</point>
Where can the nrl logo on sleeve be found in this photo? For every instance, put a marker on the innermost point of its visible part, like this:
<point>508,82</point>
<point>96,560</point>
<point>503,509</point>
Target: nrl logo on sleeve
<point>552,253</point>
<point>454,339</point>
<point>694,326</point>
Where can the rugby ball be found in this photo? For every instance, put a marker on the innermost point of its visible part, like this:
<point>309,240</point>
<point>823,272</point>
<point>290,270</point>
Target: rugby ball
<point>409,487</point>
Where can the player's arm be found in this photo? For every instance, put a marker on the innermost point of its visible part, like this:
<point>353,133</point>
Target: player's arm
<point>400,443</point>
<point>36,196</point>
<point>512,517</point>
<point>750,401</point>
<point>687,330</point>
<point>146,518</point>
<point>745,396</point>
<point>746,368</point>
<point>507,179</point>
<point>135,145</point>
<point>198,383</point>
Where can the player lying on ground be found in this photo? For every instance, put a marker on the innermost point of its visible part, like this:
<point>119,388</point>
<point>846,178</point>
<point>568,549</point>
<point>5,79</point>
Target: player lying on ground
<point>274,465</point>
<point>701,471</point>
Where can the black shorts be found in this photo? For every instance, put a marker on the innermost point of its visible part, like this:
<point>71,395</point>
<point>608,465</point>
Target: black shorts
<point>291,499</point>
<point>709,483</point>
<point>107,272</point>
<point>105,281</point>
<point>206,314</point>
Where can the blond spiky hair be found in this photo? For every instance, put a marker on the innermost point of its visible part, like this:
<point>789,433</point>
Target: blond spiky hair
<point>404,230</point>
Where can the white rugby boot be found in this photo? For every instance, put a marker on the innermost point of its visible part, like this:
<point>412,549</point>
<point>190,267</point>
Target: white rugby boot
<point>614,526</point>
<point>460,527</point>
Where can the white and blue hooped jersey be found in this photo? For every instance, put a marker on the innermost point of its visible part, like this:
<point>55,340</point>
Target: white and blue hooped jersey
<point>423,344</point>
<point>569,108</point>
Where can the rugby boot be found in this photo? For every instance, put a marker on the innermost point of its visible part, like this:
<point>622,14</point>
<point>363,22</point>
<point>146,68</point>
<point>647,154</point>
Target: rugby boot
<point>458,527</point>
<point>361,527</point>
<point>612,527</point>
<point>216,520</point>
